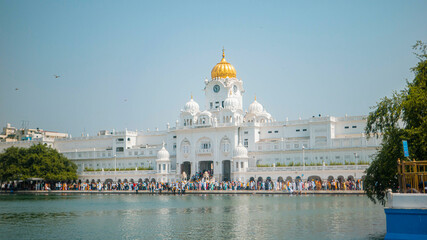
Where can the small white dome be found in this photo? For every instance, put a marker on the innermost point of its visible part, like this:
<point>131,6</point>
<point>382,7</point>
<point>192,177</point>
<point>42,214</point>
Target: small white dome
<point>191,106</point>
<point>265,114</point>
<point>206,113</point>
<point>163,154</point>
<point>240,151</point>
<point>231,103</point>
<point>255,107</point>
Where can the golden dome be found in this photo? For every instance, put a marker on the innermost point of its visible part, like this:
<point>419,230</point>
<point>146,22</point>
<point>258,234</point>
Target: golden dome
<point>223,69</point>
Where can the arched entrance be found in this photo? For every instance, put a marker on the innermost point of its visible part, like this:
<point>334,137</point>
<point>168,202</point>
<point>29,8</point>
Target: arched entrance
<point>314,178</point>
<point>226,170</point>
<point>206,166</point>
<point>186,167</point>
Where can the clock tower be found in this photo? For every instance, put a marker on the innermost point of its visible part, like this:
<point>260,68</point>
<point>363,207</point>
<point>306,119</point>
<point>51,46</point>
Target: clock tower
<point>223,85</point>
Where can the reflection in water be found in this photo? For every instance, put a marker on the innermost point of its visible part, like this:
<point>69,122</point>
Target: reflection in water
<point>190,217</point>
<point>29,217</point>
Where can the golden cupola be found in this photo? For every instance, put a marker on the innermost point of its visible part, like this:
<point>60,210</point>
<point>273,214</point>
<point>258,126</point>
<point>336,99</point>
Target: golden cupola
<point>223,69</point>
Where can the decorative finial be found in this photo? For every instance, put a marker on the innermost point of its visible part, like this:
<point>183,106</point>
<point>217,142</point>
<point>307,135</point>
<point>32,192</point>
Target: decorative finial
<point>223,55</point>
<point>255,97</point>
<point>191,96</point>
<point>231,93</point>
<point>163,143</point>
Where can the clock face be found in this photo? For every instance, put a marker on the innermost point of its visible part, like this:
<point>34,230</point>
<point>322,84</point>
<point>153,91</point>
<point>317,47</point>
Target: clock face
<point>216,88</point>
<point>235,89</point>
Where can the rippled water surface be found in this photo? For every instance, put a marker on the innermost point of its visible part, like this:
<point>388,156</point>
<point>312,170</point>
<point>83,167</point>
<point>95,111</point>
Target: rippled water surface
<point>189,217</point>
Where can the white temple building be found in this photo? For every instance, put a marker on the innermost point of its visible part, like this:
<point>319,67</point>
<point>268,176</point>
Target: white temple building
<point>226,139</point>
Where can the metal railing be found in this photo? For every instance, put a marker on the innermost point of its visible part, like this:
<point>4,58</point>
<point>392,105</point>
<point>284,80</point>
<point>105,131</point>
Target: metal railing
<point>412,175</point>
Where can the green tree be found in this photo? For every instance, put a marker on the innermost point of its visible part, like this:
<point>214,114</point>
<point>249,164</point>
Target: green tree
<point>38,161</point>
<point>400,117</point>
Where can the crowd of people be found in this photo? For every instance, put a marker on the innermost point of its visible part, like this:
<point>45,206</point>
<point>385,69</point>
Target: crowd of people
<point>198,182</point>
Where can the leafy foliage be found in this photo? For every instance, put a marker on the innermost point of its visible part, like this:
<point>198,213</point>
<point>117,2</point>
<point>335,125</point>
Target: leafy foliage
<point>401,117</point>
<point>38,161</point>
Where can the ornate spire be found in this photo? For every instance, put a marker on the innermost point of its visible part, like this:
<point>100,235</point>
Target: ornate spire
<point>255,97</point>
<point>223,55</point>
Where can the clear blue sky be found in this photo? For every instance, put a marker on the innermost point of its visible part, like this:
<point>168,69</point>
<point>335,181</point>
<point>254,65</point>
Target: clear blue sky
<point>300,58</point>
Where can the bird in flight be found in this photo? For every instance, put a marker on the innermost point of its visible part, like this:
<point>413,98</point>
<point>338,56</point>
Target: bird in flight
<point>16,89</point>
<point>56,76</point>
<point>125,100</point>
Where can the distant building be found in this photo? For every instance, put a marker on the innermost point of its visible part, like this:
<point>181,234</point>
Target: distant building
<point>8,134</point>
<point>26,137</point>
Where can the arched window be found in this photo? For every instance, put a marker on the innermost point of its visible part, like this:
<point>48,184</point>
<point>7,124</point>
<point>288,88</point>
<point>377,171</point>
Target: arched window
<point>225,145</point>
<point>185,146</point>
<point>205,145</point>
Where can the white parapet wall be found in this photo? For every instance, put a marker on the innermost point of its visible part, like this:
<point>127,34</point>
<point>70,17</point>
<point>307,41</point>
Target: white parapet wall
<point>274,173</point>
<point>407,200</point>
<point>406,216</point>
<point>137,175</point>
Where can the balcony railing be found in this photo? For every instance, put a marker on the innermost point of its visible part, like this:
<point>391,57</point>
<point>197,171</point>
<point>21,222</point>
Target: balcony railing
<point>101,173</point>
<point>308,168</point>
<point>204,151</point>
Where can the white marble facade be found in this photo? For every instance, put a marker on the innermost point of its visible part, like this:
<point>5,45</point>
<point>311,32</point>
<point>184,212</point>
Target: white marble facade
<point>209,139</point>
